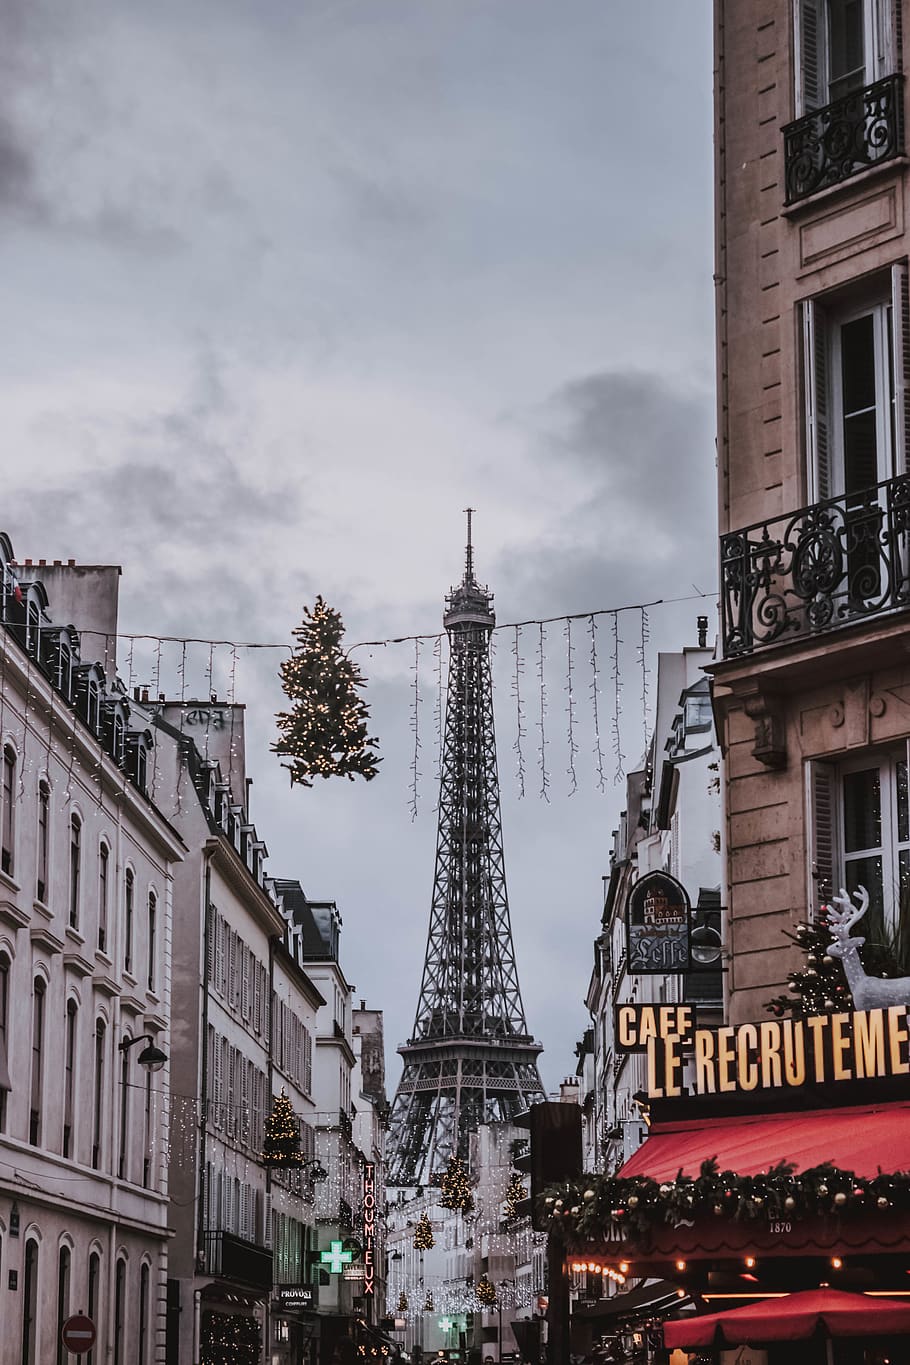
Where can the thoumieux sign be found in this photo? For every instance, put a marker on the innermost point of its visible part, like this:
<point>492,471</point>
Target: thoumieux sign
<point>775,1054</point>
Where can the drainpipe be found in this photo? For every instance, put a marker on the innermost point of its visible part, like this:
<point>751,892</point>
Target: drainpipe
<point>204,1094</point>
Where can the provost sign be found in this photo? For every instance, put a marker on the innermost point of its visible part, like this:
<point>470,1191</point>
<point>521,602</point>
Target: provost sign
<point>780,1054</point>
<point>657,926</point>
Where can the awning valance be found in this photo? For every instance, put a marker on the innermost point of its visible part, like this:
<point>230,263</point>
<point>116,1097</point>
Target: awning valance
<point>793,1317</point>
<point>864,1139</point>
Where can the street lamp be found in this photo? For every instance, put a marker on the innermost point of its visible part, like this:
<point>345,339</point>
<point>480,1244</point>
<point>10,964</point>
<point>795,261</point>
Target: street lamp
<point>501,1286</point>
<point>151,1056</point>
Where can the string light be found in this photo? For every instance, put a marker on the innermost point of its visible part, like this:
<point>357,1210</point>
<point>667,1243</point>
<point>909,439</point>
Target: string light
<point>415,726</point>
<point>520,728</point>
<point>570,712</point>
<point>617,704</point>
<point>542,752</point>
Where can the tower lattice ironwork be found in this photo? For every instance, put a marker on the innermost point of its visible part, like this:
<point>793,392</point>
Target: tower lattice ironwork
<point>470,1059</point>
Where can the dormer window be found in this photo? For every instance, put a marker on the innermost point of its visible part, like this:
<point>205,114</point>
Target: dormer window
<point>33,628</point>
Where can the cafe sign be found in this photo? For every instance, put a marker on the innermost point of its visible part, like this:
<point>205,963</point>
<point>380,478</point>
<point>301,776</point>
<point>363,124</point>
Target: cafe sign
<point>657,926</point>
<point>775,1054</point>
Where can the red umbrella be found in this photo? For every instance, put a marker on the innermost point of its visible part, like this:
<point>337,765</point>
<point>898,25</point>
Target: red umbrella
<point>795,1317</point>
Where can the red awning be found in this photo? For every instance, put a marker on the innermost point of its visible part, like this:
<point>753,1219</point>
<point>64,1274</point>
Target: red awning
<point>864,1139</point>
<point>795,1317</point>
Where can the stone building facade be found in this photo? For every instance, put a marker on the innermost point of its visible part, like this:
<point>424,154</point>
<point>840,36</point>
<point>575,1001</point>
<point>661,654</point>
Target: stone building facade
<point>812,683</point>
<point>86,910</point>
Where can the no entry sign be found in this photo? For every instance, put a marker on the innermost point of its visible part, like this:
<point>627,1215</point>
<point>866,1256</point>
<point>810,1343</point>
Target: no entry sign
<point>78,1334</point>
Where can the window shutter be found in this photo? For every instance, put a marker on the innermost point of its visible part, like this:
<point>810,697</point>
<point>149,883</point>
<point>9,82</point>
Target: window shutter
<point>900,332</point>
<point>883,27</point>
<point>824,865</point>
<point>210,940</point>
<point>811,85</point>
<point>815,373</point>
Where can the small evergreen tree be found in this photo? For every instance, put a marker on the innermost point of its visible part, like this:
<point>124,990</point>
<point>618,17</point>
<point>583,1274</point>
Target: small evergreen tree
<point>325,732</point>
<point>423,1233</point>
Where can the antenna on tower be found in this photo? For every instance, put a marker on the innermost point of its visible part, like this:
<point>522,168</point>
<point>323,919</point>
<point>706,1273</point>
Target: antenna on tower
<point>469,552</point>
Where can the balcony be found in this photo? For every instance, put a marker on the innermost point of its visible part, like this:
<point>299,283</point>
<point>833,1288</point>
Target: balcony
<point>832,144</point>
<point>233,1258</point>
<point>816,570</point>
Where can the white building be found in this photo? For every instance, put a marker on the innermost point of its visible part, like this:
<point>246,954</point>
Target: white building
<point>86,898</point>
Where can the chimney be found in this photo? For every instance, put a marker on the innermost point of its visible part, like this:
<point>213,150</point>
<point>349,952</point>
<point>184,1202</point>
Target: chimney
<point>568,1090</point>
<point>702,625</point>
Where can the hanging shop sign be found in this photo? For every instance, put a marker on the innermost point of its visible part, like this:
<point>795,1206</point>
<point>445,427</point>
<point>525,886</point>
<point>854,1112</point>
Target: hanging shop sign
<point>635,1025</point>
<point>778,1054</point>
<point>657,925</point>
<point>369,1227</point>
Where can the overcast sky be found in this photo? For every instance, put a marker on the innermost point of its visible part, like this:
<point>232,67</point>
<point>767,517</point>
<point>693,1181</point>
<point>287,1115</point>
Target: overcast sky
<point>287,285</point>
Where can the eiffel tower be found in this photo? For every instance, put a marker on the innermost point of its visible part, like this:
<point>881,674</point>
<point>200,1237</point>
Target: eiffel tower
<point>471,1059</point>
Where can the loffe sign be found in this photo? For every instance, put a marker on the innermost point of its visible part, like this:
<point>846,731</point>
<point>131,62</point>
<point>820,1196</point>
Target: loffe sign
<point>369,1227</point>
<point>775,1054</point>
<point>657,926</point>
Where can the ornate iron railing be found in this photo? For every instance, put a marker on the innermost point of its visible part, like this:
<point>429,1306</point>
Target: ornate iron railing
<point>817,569</point>
<point>831,144</point>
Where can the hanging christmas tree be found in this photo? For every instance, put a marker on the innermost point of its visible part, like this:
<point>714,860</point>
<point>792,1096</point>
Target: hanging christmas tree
<point>515,1193</point>
<point>486,1292</point>
<point>423,1234</point>
<point>281,1144</point>
<point>456,1187</point>
<point>325,732</point>
<point>428,1303</point>
<point>402,1302</point>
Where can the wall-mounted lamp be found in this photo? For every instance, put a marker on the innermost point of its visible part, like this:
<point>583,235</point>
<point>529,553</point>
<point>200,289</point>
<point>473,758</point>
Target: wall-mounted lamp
<point>151,1057</point>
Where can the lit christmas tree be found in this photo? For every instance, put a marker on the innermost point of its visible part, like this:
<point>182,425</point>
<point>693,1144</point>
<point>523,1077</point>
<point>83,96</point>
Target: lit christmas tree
<point>515,1193</point>
<point>456,1187</point>
<point>486,1292</point>
<point>281,1144</point>
<point>402,1302</point>
<point>423,1234</point>
<point>820,985</point>
<point>428,1304</point>
<point>325,732</point>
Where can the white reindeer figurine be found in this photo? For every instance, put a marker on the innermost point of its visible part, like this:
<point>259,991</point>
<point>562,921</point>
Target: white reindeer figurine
<point>869,992</point>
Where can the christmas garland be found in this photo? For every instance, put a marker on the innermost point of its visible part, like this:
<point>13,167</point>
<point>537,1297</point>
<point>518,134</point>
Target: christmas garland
<point>596,1206</point>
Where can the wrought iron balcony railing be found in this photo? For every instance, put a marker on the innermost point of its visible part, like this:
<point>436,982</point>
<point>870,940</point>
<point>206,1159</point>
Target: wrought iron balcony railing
<point>817,569</point>
<point>831,144</point>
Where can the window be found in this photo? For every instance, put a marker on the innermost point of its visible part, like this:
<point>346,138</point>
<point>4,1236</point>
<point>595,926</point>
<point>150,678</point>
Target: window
<point>842,46</point>
<point>69,1077</point>
<point>104,861</point>
<point>124,1111</point>
<point>8,814</point>
<point>64,671</point>
<point>30,1303</point>
<point>75,869</point>
<point>142,1342</point>
<point>152,938</point>
<point>128,898</point>
<point>93,706</point>
<point>32,628</point>
<point>856,390</point>
<point>860,826</point>
<point>37,1079</point>
<point>119,1312</point>
<point>4,1037</point>
<point>98,1097</point>
<point>63,1300</point>
<point>94,1289</point>
<point>44,830</point>
<point>149,1151</point>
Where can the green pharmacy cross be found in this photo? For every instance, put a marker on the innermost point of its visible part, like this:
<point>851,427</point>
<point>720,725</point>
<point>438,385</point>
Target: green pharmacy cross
<point>336,1259</point>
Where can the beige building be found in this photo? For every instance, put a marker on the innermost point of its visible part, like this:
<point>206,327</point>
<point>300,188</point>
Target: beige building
<point>86,907</point>
<point>812,686</point>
